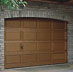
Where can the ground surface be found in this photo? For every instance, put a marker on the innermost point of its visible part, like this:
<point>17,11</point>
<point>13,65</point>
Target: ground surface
<point>46,68</point>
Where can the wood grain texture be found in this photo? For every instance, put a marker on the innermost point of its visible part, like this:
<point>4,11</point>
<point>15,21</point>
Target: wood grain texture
<point>30,42</point>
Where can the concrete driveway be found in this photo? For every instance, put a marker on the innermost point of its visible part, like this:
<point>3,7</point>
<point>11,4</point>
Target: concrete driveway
<point>46,68</point>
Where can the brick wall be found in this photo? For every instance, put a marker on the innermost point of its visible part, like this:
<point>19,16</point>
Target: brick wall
<point>60,12</point>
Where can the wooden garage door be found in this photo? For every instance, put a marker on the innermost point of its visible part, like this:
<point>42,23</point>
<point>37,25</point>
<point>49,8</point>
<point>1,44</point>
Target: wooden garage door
<point>30,42</point>
<point>59,51</point>
<point>43,42</point>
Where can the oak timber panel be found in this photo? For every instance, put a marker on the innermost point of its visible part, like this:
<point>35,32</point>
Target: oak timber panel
<point>43,46</point>
<point>29,34</point>
<point>44,23</point>
<point>59,61</point>
<point>43,30</point>
<point>28,23</point>
<point>29,46</point>
<point>59,35</point>
<point>12,54</point>
<point>59,57</point>
<point>12,59</point>
<point>44,58</point>
<point>42,36</point>
<point>28,58</point>
<point>59,46</point>
<point>43,51</point>
<point>59,42</point>
<point>29,29</point>
<point>59,25</point>
<point>13,46</point>
<point>12,34</point>
<point>12,24</point>
<point>13,65</point>
<point>48,62</point>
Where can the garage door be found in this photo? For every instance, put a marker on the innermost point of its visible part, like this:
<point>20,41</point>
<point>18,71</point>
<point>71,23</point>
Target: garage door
<point>30,42</point>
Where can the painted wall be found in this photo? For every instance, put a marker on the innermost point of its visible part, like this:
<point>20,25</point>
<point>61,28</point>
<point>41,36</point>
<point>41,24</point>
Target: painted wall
<point>60,12</point>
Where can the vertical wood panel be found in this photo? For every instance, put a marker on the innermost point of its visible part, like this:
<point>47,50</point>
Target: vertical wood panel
<point>12,48</point>
<point>59,42</point>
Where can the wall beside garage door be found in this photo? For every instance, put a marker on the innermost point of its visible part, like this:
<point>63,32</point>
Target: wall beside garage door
<point>60,12</point>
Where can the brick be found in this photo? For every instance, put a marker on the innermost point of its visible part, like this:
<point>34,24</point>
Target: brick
<point>61,12</point>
